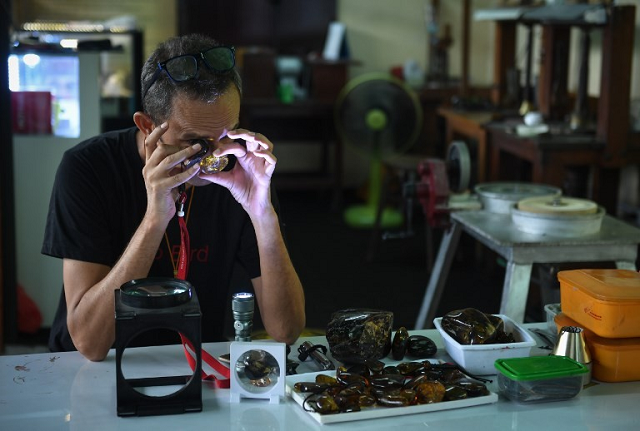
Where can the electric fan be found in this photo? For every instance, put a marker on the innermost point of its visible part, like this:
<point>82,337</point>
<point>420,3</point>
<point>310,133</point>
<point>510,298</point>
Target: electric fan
<point>379,116</point>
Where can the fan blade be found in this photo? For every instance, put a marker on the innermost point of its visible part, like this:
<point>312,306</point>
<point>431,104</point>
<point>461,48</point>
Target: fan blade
<point>396,101</point>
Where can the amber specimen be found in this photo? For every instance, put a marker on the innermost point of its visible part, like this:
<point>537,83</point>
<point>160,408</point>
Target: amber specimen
<point>419,346</point>
<point>453,393</point>
<point>390,369</point>
<point>348,402</point>
<point>407,368</point>
<point>387,380</point>
<point>392,400</point>
<point>346,378</point>
<point>211,164</point>
<point>425,383</point>
<point>472,326</point>
<point>415,381</point>
<point>355,335</point>
<point>258,365</point>
<point>399,343</point>
<point>326,380</point>
<point>473,388</point>
<point>374,365</point>
<point>367,400</point>
<point>314,388</point>
<point>359,369</point>
<point>430,392</point>
<point>323,404</point>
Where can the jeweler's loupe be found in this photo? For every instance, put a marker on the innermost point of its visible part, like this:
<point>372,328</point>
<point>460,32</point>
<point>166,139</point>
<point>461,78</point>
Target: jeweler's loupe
<point>209,164</point>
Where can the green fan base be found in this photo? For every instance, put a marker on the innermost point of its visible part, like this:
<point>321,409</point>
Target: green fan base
<point>364,216</point>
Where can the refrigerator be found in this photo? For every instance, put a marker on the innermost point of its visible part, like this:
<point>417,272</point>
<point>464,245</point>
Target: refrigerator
<point>72,82</point>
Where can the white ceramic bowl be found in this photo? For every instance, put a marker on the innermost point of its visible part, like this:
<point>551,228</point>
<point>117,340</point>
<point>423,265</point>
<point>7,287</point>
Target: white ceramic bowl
<point>479,358</point>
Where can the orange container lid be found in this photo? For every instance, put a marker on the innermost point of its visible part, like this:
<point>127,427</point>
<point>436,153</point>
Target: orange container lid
<point>615,285</point>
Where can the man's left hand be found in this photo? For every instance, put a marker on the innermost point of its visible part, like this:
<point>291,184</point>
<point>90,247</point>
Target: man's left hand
<point>249,182</point>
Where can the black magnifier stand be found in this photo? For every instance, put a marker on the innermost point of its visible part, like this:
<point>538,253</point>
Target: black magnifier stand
<point>157,303</point>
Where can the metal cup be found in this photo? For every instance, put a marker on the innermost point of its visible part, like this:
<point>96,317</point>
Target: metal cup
<point>571,343</point>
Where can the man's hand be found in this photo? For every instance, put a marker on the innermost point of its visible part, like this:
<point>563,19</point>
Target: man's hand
<point>250,181</point>
<point>163,173</point>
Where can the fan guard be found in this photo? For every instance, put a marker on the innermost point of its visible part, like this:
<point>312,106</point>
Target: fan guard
<point>377,109</point>
<point>379,116</point>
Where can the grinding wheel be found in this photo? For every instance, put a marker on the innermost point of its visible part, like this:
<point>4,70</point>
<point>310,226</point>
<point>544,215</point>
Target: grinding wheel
<point>458,166</point>
<point>557,205</point>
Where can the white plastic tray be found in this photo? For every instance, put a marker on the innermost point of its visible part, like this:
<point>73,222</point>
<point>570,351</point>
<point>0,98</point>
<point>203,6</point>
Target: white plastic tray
<point>376,411</point>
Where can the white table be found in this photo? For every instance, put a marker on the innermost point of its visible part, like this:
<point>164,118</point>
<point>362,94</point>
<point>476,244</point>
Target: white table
<point>615,242</point>
<point>64,391</point>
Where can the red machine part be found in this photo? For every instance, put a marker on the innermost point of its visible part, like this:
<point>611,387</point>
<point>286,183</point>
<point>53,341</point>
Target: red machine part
<point>433,191</point>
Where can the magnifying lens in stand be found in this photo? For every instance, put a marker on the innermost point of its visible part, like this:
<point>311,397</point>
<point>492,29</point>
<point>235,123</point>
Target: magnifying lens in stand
<point>157,303</point>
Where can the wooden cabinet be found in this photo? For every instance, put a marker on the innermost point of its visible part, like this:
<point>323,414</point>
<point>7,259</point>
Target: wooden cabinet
<point>290,27</point>
<point>554,101</point>
<point>603,148</point>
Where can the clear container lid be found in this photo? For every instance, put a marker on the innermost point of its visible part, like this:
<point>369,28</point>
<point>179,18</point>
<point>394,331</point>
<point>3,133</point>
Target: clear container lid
<point>539,368</point>
<point>614,285</point>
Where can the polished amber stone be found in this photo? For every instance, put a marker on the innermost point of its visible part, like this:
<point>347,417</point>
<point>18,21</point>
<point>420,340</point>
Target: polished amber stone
<point>212,164</point>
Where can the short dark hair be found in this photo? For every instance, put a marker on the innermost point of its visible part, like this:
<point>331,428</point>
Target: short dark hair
<point>208,86</point>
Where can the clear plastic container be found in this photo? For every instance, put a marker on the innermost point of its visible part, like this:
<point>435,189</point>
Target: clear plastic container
<point>551,311</point>
<point>539,378</point>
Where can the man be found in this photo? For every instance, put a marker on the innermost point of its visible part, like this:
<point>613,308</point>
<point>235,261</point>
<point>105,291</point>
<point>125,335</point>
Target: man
<point>112,216</point>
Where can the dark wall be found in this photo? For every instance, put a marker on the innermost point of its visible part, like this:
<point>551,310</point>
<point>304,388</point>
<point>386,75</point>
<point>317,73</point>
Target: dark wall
<point>290,26</point>
<point>8,314</point>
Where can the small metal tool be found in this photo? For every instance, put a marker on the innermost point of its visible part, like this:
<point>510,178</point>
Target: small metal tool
<point>317,353</point>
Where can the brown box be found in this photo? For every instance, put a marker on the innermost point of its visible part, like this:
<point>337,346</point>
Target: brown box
<point>327,79</point>
<point>258,68</point>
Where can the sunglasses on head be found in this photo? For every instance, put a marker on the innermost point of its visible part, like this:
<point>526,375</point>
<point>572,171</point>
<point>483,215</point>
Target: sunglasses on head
<point>182,68</point>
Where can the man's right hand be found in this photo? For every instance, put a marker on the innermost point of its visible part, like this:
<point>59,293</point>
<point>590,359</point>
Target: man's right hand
<point>163,173</point>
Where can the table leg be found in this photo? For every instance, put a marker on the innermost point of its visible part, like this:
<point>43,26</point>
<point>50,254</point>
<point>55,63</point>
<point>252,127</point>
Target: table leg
<point>439,276</point>
<point>482,156</point>
<point>622,264</point>
<point>515,291</point>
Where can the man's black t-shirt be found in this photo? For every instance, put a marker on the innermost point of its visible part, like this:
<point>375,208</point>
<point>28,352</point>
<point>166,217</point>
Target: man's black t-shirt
<point>98,201</point>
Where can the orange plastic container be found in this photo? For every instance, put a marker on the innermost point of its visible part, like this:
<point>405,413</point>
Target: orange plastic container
<point>605,301</point>
<point>612,359</point>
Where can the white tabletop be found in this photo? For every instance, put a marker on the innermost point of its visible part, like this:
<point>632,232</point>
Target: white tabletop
<point>64,391</point>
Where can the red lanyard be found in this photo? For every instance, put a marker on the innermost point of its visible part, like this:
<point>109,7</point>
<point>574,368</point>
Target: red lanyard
<point>183,269</point>
<point>185,246</point>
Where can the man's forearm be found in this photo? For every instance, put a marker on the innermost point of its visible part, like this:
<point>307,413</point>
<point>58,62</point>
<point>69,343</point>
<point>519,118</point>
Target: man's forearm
<point>90,298</point>
<point>279,292</point>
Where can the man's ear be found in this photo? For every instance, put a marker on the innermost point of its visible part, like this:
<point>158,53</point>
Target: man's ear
<point>144,122</point>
